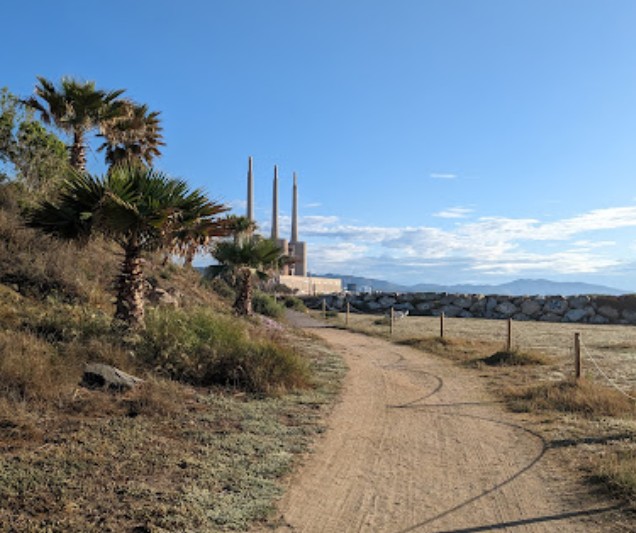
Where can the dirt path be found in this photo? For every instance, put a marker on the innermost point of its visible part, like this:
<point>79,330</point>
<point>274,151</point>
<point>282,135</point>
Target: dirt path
<point>416,444</point>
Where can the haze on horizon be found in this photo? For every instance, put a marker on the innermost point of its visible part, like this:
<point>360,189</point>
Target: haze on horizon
<point>457,141</point>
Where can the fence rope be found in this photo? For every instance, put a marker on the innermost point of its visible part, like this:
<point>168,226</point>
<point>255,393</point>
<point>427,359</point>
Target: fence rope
<point>600,370</point>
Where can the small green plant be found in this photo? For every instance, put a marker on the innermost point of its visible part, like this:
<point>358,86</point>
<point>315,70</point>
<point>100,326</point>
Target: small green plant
<point>292,302</point>
<point>267,305</point>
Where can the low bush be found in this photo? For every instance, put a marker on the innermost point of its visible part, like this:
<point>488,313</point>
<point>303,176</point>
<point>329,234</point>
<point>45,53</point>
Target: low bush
<point>265,304</point>
<point>514,358</point>
<point>205,348</point>
<point>583,397</point>
<point>292,302</point>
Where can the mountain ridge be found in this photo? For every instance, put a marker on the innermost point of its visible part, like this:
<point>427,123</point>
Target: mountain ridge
<point>518,287</point>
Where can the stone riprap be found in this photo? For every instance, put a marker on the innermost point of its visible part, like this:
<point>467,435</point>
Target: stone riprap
<point>589,309</point>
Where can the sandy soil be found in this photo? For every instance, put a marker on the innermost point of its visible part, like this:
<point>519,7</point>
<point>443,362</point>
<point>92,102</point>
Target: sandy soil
<point>416,444</point>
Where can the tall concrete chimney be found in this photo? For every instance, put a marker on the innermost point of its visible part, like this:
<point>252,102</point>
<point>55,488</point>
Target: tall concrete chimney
<point>275,205</point>
<point>250,190</point>
<point>294,232</point>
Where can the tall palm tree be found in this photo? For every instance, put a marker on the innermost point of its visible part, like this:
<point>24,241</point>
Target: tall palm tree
<point>132,135</point>
<point>241,228</point>
<point>249,258</point>
<point>139,208</point>
<point>76,108</point>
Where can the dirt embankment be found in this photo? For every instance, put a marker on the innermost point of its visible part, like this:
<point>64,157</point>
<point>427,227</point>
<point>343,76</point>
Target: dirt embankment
<point>416,444</point>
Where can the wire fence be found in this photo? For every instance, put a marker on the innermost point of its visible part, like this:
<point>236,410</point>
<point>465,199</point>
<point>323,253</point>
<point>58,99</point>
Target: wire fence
<point>608,351</point>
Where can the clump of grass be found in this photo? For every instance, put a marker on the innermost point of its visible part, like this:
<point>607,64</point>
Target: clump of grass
<point>582,397</point>
<point>514,358</point>
<point>30,369</point>
<point>205,348</point>
<point>265,304</point>
<point>617,471</point>
<point>292,302</point>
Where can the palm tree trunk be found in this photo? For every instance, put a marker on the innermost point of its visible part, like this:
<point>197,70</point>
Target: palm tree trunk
<point>130,287</point>
<point>78,151</point>
<point>243,302</point>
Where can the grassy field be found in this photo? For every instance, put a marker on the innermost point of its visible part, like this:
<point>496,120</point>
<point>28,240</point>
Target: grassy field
<point>612,347</point>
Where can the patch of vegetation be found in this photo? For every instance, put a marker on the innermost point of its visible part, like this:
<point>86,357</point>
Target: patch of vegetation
<point>514,358</point>
<point>295,303</point>
<point>204,348</point>
<point>266,304</point>
<point>581,397</point>
<point>617,471</point>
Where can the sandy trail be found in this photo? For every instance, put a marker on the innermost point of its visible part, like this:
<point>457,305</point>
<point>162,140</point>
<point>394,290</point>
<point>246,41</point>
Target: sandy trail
<point>416,444</point>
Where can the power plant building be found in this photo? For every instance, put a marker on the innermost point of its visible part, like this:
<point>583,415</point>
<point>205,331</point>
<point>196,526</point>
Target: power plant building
<point>294,275</point>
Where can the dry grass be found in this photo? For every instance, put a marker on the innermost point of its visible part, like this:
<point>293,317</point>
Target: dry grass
<point>514,358</point>
<point>582,397</point>
<point>616,469</point>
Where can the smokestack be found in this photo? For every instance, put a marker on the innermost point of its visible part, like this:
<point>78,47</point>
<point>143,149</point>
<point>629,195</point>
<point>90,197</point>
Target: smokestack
<point>250,190</point>
<point>294,233</point>
<point>275,205</point>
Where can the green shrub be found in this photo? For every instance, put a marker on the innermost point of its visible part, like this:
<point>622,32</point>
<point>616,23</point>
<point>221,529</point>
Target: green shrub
<point>205,348</point>
<point>292,302</point>
<point>267,305</point>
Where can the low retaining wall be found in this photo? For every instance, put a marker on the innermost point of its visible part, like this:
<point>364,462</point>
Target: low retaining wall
<point>591,309</point>
<point>311,284</point>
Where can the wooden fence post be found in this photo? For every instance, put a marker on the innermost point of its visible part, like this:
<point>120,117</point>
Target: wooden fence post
<point>441,325</point>
<point>347,315</point>
<point>324,308</point>
<point>577,356</point>
<point>509,341</point>
<point>391,320</point>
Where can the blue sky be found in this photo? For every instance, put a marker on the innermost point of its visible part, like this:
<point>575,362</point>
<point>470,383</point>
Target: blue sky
<point>435,141</point>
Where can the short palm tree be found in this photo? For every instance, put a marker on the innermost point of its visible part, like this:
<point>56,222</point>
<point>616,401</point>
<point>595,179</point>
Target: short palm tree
<point>76,108</point>
<point>138,207</point>
<point>248,258</point>
<point>132,135</point>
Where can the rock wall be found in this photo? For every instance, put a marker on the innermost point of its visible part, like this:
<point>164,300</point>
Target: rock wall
<point>591,309</point>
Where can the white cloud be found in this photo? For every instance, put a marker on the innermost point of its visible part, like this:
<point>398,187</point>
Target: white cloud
<point>488,245</point>
<point>454,212</point>
<point>312,205</point>
<point>443,176</point>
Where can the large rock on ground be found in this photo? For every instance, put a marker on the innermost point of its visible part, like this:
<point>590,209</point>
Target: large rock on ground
<point>106,377</point>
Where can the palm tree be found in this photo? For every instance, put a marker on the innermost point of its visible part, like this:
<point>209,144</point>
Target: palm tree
<point>197,229</point>
<point>138,207</point>
<point>241,228</point>
<point>247,258</point>
<point>132,135</point>
<point>76,108</point>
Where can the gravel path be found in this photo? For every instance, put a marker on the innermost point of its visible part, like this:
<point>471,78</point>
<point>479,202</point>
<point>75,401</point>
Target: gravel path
<point>416,444</point>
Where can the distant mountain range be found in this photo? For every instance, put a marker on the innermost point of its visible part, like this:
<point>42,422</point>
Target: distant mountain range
<point>519,287</point>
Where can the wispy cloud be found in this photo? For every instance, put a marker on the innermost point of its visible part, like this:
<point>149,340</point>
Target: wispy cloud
<point>313,205</point>
<point>486,245</point>
<point>443,175</point>
<point>454,212</point>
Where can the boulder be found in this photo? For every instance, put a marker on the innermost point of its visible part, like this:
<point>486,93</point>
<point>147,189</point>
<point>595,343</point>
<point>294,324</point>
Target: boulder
<point>578,302</point>
<point>550,317</point>
<point>506,309</point>
<point>451,310</point>
<point>630,316</point>
<point>159,296</point>
<point>425,306</point>
<point>106,377</point>
<point>406,306</point>
<point>575,315</point>
<point>599,319</point>
<point>521,317</point>
<point>387,301</point>
<point>463,301</point>
<point>465,314</point>
<point>557,306</point>
<point>608,312</point>
<point>531,307</point>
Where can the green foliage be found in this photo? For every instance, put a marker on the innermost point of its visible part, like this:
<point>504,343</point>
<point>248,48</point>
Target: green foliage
<point>265,304</point>
<point>33,156</point>
<point>291,302</point>
<point>205,348</point>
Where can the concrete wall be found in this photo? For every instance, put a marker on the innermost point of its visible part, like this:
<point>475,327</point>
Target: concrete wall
<point>309,285</point>
<point>590,309</point>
